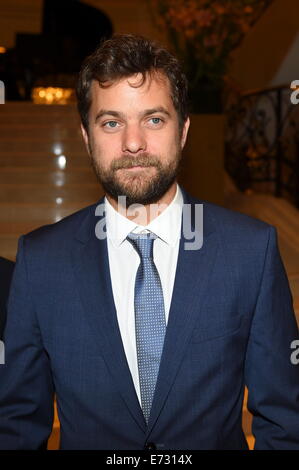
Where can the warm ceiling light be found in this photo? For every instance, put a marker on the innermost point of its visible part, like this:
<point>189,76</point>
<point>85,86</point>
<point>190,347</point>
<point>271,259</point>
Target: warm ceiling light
<point>52,95</point>
<point>2,50</point>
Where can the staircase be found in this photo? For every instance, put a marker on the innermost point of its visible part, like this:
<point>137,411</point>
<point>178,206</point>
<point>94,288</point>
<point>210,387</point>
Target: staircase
<point>44,169</point>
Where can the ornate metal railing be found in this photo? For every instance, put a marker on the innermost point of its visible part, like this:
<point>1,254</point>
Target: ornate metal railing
<point>262,143</point>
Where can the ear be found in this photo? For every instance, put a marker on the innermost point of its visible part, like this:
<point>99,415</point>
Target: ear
<point>85,138</point>
<point>185,132</point>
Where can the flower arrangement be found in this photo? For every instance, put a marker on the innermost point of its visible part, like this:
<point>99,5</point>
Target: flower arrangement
<point>203,33</point>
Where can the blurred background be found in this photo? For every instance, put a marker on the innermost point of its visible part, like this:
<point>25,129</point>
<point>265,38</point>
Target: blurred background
<point>241,58</point>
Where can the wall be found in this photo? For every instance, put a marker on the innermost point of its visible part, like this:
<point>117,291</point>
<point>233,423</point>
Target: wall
<point>289,68</point>
<point>267,56</point>
<point>22,16</point>
<point>259,58</point>
<point>128,16</point>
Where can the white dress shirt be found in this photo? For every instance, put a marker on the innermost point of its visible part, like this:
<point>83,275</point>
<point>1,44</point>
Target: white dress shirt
<point>124,262</point>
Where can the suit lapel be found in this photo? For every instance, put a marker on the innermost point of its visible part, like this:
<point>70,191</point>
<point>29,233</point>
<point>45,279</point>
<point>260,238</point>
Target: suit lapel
<point>194,269</point>
<point>91,267</point>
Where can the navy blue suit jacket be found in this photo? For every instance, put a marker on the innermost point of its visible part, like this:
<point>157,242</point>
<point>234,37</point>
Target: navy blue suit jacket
<point>231,324</point>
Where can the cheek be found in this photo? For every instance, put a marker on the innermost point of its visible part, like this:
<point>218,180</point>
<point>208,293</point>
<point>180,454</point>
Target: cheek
<point>105,147</point>
<point>164,144</point>
<point>171,148</point>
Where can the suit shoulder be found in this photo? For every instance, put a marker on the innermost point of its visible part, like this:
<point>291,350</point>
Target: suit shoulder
<point>233,227</point>
<point>223,219</point>
<point>241,235</point>
<point>230,219</point>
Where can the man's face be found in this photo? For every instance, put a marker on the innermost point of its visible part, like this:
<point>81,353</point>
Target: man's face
<point>134,139</point>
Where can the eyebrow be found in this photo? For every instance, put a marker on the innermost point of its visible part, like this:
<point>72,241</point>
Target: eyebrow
<point>118,114</point>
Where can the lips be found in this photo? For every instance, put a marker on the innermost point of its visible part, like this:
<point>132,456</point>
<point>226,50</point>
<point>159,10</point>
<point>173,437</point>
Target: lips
<point>137,167</point>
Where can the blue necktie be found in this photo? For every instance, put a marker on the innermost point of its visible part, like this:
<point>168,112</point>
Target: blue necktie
<point>150,324</point>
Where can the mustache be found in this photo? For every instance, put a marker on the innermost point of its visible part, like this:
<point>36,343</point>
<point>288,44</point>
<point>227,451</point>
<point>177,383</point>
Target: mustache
<point>127,161</point>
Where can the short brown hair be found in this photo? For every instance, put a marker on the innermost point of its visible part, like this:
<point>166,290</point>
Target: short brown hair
<point>124,55</point>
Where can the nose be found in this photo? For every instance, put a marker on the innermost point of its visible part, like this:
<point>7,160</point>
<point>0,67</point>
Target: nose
<point>133,139</point>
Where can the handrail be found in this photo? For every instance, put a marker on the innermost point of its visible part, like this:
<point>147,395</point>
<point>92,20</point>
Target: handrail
<point>262,143</point>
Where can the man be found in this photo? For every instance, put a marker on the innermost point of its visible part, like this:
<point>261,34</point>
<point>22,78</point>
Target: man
<point>147,339</point>
<point>6,271</point>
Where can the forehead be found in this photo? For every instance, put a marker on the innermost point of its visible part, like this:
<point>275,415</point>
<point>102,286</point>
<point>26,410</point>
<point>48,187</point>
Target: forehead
<point>131,92</point>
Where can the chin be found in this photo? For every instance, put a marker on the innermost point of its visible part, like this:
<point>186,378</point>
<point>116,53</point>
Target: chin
<point>135,183</point>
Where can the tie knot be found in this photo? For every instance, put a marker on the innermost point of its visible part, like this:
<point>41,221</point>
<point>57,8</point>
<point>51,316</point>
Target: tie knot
<point>143,243</point>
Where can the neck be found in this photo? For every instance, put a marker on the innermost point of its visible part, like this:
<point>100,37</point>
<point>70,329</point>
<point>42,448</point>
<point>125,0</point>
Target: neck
<point>143,215</point>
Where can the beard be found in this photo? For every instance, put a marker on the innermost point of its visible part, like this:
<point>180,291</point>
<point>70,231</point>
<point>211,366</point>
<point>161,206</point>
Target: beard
<point>141,186</point>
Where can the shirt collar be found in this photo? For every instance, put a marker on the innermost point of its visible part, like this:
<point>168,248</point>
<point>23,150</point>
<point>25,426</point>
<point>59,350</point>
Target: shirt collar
<point>167,225</point>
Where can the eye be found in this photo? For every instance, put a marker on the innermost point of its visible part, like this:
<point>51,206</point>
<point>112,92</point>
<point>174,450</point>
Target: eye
<point>110,124</point>
<point>155,122</point>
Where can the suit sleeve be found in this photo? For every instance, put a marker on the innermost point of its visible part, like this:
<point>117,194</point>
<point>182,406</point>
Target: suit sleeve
<point>26,386</point>
<point>271,377</point>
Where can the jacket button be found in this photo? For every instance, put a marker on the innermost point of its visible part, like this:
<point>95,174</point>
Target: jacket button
<point>150,446</point>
